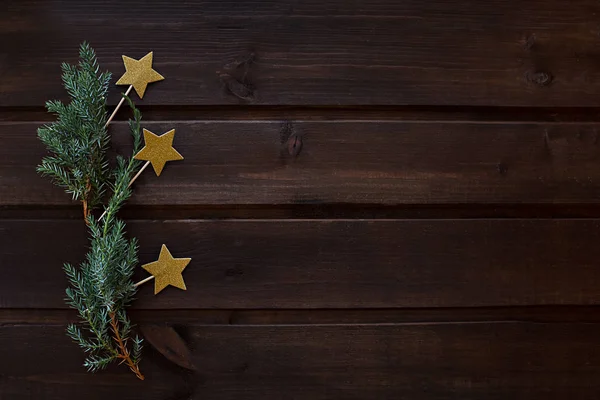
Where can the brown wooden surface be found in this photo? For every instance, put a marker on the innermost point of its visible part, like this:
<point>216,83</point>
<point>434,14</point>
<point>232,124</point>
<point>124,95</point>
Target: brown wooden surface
<point>352,162</point>
<point>335,52</point>
<point>315,264</point>
<point>438,361</point>
<point>382,199</point>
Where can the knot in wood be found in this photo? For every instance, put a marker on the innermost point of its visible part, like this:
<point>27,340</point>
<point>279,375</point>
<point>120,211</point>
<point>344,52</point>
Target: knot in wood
<point>540,78</point>
<point>529,41</point>
<point>242,90</point>
<point>294,145</point>
<point>502,168</point>
<point>236,78</point>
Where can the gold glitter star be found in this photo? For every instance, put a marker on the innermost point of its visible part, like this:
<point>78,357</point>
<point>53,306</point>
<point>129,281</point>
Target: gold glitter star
<point>158,150</point>
<point>139,73</point>
<point>167,270</point>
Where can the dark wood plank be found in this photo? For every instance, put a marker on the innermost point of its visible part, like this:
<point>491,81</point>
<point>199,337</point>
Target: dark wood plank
<point>377,162</point>
<point>316,211</point>
<point>308,264</point>
<point>492,53</point>
<point>41,362</point>
<point>545,314</point>
<point>328,113</point>
<point>488,361</point>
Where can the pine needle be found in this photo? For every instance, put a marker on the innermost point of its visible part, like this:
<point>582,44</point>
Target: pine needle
<point>101,288</point>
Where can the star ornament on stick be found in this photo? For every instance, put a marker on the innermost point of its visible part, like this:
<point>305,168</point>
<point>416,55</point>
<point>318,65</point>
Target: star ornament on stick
<point>158,150</point>
<point>139,73</point>
<point>167,270</point>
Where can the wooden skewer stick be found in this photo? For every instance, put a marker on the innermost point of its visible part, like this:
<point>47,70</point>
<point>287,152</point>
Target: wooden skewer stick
<point>144,281</point>
<point>130,183</point>
<point>118,106</point>
<point>108,122</point>
<point>139,173</point>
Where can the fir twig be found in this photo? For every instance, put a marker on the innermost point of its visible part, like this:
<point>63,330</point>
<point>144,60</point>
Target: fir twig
<point>123,350</point>
<point>78,139</point>
<point>101,288</point>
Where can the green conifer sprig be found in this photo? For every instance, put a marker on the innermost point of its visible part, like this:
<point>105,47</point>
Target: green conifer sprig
<point>78,139</point>
<point>101,288</point>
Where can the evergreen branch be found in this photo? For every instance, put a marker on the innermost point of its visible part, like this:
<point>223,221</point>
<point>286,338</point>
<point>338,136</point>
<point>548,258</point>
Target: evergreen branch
<point>124,352</point>
<point>96,363</point>
<point>79,139</point>
<point>101,288</point>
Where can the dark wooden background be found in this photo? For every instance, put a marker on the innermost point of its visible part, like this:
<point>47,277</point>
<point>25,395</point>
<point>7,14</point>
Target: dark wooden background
<point>383,199</point>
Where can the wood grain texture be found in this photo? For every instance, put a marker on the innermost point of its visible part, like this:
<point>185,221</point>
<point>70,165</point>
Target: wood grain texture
<point>377,52</point>
<point>351,162</point>
<point>41,362</point>
<point>310,129</point>
<point>344,316</point>
<point>326,264</point>
<point>440,361</point>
